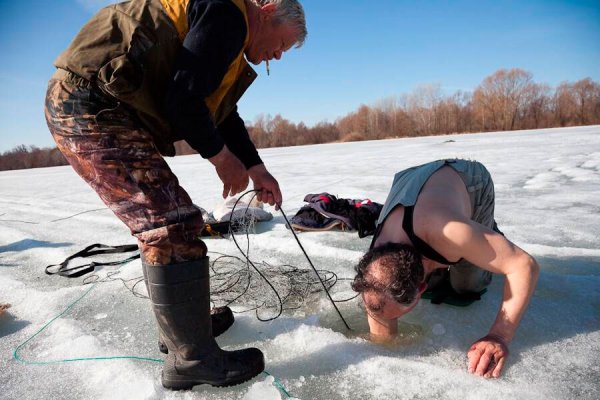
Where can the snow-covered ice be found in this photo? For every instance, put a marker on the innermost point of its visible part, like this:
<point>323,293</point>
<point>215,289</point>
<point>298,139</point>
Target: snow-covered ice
<point>548,202</point>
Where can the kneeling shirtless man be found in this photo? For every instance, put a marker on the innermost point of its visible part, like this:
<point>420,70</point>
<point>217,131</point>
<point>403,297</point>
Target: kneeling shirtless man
<point>438,216</point>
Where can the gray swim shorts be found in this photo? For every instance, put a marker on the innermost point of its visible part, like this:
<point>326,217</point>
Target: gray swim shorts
<point>464,276</point>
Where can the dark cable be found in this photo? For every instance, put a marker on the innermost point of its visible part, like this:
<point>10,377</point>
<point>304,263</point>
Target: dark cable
<point>299,286</point>
<point>246,255</point>
<point>54,220</point>
<point>313,267</point>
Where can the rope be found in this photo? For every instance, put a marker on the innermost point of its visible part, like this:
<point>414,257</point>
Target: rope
<point>54,220</point>
<point>301,248</point>
<point>314,269</point>
<point>279,385</point>
<point>94,280</point>
<point>65,311</point>
<point>246,255</point>
<point>20,359</point>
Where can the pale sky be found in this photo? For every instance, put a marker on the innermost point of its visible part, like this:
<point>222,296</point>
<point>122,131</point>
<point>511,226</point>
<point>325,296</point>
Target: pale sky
<point>356,53</point>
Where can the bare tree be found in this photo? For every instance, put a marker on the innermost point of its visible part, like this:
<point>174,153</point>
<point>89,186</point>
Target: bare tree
<point>499,99</point>
<point>565,104</point>
<point>537,106</point>
<point>505,100</point>
<point>22,157</point>
<point>586,94</point>
<point>422,106</point>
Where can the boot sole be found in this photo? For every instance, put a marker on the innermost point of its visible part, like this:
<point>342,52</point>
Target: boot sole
<point>188,384</point>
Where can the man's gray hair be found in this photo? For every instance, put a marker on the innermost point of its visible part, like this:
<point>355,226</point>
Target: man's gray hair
<point>290,12</point>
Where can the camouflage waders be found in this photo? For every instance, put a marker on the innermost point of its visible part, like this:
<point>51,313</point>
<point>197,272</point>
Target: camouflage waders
<point>110,149</point>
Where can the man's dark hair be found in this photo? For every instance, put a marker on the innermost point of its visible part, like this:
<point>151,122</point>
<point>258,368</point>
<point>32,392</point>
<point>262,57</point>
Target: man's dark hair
<point>400,272</point>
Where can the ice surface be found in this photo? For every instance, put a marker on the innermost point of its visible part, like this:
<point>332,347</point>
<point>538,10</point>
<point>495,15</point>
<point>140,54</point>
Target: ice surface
<point>263,390</point>
<point>548,202</point>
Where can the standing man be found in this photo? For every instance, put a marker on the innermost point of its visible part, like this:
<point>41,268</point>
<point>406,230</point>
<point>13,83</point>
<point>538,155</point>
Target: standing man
<point>437,216</point>
<point>139,76</point>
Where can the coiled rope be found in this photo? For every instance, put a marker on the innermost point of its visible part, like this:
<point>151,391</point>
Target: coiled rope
<point>332,279</point>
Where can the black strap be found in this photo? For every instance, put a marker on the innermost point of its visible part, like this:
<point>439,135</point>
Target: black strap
<point>424,248</point>
<point>80,270</point>
<point>449,296</point>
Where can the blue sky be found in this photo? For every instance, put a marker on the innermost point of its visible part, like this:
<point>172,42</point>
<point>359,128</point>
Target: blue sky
<point>357,52</point>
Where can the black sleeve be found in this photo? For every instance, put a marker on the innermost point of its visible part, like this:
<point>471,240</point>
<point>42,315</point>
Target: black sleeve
<point>215,38</point>
<point>234,131</point>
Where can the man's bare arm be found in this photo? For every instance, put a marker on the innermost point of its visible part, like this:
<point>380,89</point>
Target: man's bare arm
<point>493,252</point>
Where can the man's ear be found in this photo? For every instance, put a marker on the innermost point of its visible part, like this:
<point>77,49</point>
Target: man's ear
<point>268,10</point>
<point>422,287</point>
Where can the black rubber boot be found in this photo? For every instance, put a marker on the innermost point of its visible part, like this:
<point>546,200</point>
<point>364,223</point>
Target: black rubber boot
<point>221,318</point>
<point>180,295</point>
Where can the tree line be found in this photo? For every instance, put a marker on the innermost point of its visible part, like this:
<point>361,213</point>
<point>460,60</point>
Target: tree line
<point>506,100</point>
<point>23,157</point>
<point>509,99</point>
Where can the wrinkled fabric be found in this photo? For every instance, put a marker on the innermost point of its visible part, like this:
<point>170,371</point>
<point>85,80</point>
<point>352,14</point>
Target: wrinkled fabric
<point>464,276</point>
<point>325,211</point>
<point>244,212</point>
<point>108,147</point>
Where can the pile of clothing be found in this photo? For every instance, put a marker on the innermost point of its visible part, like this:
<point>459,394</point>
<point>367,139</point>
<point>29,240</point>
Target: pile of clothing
<point>225,219</point>
<point>244,210</point>
<point>325,211</point>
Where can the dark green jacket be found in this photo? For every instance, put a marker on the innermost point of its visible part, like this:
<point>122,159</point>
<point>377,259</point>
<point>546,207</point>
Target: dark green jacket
<point>130,51</point>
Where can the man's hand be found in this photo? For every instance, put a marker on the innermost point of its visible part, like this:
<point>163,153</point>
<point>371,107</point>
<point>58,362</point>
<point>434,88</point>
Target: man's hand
<point>267,186</point>
<point>493,252</point>
<point>487,356</point>
<point>231,171</point>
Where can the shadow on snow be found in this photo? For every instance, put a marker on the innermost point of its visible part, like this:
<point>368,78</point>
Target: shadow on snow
<point>27,244</point>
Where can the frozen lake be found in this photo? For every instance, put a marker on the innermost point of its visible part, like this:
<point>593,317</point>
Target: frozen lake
<point>548,202</point>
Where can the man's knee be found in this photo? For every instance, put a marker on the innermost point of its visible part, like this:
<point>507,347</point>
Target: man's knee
<point>173,244</point>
